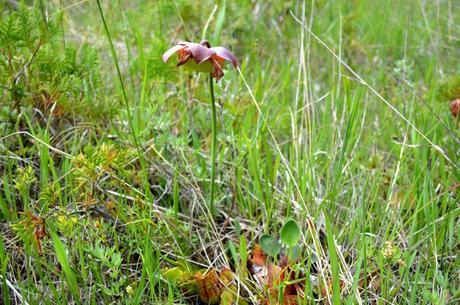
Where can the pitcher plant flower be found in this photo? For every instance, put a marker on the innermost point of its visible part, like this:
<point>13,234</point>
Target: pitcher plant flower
<point>202,57</point>
<point>455,107</point>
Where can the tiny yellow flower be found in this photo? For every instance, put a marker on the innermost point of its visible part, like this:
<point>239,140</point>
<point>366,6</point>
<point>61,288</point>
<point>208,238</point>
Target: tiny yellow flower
<point>62,219</point>
<point>129,290</point>
<point>388,250</point>
<point>401,263</point>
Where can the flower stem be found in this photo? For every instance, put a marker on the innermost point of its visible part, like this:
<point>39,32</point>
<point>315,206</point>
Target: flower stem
<point>213,146</point>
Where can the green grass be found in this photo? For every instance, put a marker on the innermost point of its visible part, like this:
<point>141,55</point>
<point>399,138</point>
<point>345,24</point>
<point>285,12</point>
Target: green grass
<point>338,118</point>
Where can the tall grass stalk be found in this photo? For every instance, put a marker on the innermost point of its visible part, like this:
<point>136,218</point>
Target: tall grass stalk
<point>125,98</point>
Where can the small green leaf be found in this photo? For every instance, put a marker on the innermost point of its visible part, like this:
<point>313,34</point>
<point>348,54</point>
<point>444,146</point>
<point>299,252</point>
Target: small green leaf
<point>290,233</point>
<point>232,249</point>
<point>243,251</point>
<point>64,262</point>
<point>4,212</point>
<point>237,225</point>
<point>270,245</point>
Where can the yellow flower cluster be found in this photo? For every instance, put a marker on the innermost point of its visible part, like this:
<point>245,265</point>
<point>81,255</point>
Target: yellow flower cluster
<point>388,250</point>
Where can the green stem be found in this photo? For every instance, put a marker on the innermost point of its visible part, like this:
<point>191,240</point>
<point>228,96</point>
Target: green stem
<point>213,146</point>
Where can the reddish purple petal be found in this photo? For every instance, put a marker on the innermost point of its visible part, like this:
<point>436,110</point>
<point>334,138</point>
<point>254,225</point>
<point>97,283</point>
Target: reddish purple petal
<point>183,42</point>
<point>217,72</point>
<point>225,54</point>
<point>199,52</point>
<point>171,51</point>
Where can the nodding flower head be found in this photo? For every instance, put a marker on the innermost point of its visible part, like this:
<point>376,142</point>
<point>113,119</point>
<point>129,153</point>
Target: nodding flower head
<point>201,57</point>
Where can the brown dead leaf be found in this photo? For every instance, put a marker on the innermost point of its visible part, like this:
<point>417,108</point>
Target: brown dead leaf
<point>38,225</point>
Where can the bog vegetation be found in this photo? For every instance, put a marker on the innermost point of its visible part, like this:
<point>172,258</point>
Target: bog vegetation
<point>336,177</point>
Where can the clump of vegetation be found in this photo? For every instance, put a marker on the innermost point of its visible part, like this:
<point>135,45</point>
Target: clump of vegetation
<point>44,79</point>
<point>450,89</point>
<point>337,177</point>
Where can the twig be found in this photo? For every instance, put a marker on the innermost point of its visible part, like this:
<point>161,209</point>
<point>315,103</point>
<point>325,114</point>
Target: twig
<point>18,75</point>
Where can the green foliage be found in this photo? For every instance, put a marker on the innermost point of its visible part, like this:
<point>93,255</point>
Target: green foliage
<point>333,257</point>
<point>152,63</point>
<point>290,233</point>
<point>95,161</point>
<point>25,178</point>
<point>450,89</point>
<point>243,251</point>
<point>24,229</point>
<point>43,78</point>
<point>63,259</point>
<point>300,137</point>
<point>108,261</point>
<point>270,245</point>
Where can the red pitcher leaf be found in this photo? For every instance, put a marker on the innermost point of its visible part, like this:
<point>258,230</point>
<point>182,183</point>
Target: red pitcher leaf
<point>226,276</point>
<point>271,277</point>
<point>209,286</point>
<point>258,256</point>
<point>216,286</point>
<point>275,275</point>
